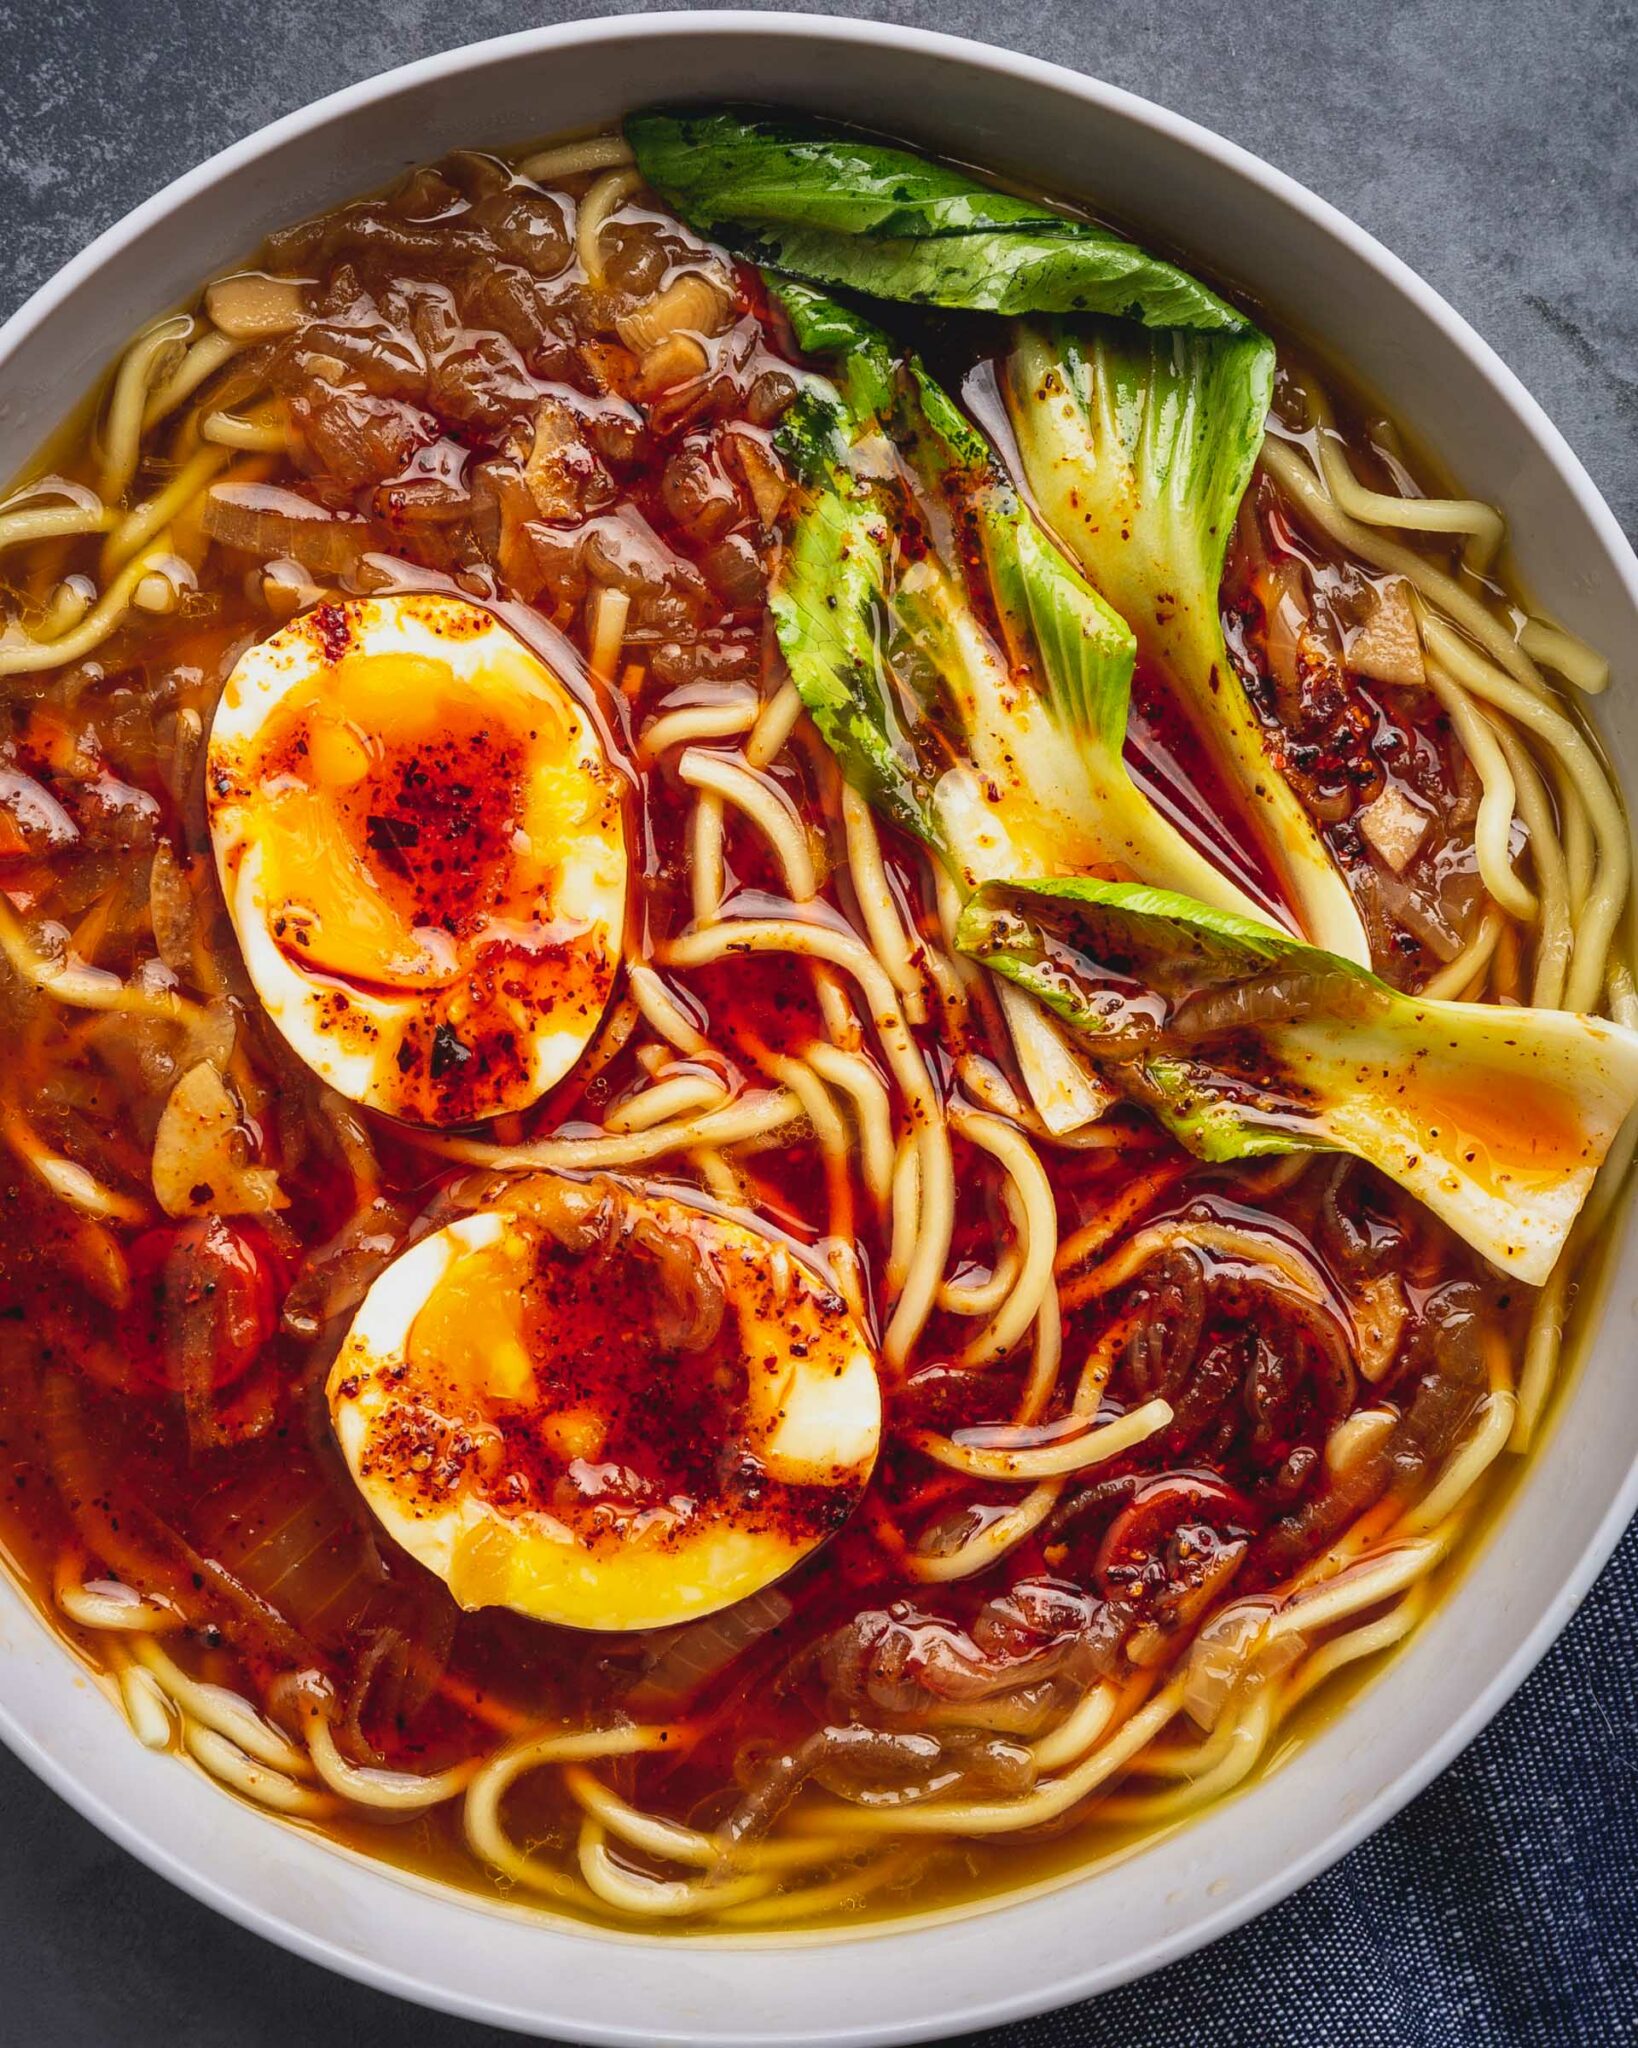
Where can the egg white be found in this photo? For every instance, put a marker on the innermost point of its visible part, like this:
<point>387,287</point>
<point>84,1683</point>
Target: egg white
<point>811,1419</point>
<point>351,1033</point>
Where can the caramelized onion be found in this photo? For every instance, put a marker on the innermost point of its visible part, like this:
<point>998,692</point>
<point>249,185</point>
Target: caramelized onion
<point>1445,1349</point>
<point>1165,1341</point>
<point>678,360</point>
<point>1417,907</point>
<point>31,819</point>
<point>686,1659</point>
<point>1354,1241</point>
<point>129,1538</point>
<point>357,438</point>
<point>1380,1311</point>
<point>873,1768</point>
<point>764,477</point>
<point>880,1767</point>
<point>736,572</point>
<point>898,1662</point>
<point>337,1275</point>
<point>266,520</point>
<point>1281,997</point>
<point>171,910</point>
<point>288,1537</point>
<point>691,303</point>
<point>564,476</point>
<point>529,227</point>
<point>696,495</point>
<point>215,1315</point>
<point>403,1665</point>
<point>685,1297</point>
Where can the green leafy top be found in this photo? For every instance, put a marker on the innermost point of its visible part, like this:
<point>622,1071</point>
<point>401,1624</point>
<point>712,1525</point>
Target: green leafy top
<point>861,359</point>
<point>829,605</point>
<point>1243,1041</point>
<point>833,207</point>
<point>965,673</point>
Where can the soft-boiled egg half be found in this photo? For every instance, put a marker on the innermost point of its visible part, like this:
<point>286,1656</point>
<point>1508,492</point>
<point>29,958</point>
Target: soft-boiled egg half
<point>422,847</point>
<point>605,1407</point>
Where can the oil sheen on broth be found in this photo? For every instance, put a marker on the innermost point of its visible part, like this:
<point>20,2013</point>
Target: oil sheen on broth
<point>569,1316</point>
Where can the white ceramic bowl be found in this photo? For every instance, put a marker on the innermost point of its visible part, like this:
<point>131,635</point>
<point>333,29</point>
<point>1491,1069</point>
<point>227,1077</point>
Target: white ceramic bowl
<point>1185,187</point>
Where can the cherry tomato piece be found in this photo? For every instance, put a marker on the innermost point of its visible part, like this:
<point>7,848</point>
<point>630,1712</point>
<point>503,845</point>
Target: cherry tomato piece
<point>202,1267</point>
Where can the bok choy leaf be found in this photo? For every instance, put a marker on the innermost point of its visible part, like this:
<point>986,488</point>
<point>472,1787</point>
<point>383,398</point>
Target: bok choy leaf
<point>1138,448</point>
<point>967,677</point>
<point>837,209</point>
<point>965,673</point>
<point>1245,1041</point>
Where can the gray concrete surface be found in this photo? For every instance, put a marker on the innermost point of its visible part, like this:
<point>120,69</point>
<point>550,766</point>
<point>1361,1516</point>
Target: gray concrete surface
<point>1491,145</point>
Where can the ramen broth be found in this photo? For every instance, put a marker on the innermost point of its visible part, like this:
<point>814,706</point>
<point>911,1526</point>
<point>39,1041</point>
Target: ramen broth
<point>985,1675</point>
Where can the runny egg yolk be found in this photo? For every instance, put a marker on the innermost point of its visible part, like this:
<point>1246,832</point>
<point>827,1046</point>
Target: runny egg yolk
<point>604,1408</point>
<point>422,848</point>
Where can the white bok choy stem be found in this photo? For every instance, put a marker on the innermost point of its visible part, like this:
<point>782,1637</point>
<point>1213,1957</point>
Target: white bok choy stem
<point>969,680</point>
<point>1244,1041</point>
<point>1138,447</point>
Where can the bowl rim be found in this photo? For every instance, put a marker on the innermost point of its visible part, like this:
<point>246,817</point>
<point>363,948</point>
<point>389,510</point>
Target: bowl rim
<point>1480,360</point>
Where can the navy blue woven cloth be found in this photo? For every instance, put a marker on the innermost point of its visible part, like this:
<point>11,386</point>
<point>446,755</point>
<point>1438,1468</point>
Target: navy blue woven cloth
<point>1492,143</point>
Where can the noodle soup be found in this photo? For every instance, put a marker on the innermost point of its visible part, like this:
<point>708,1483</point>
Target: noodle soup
<point>811,1008</point>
